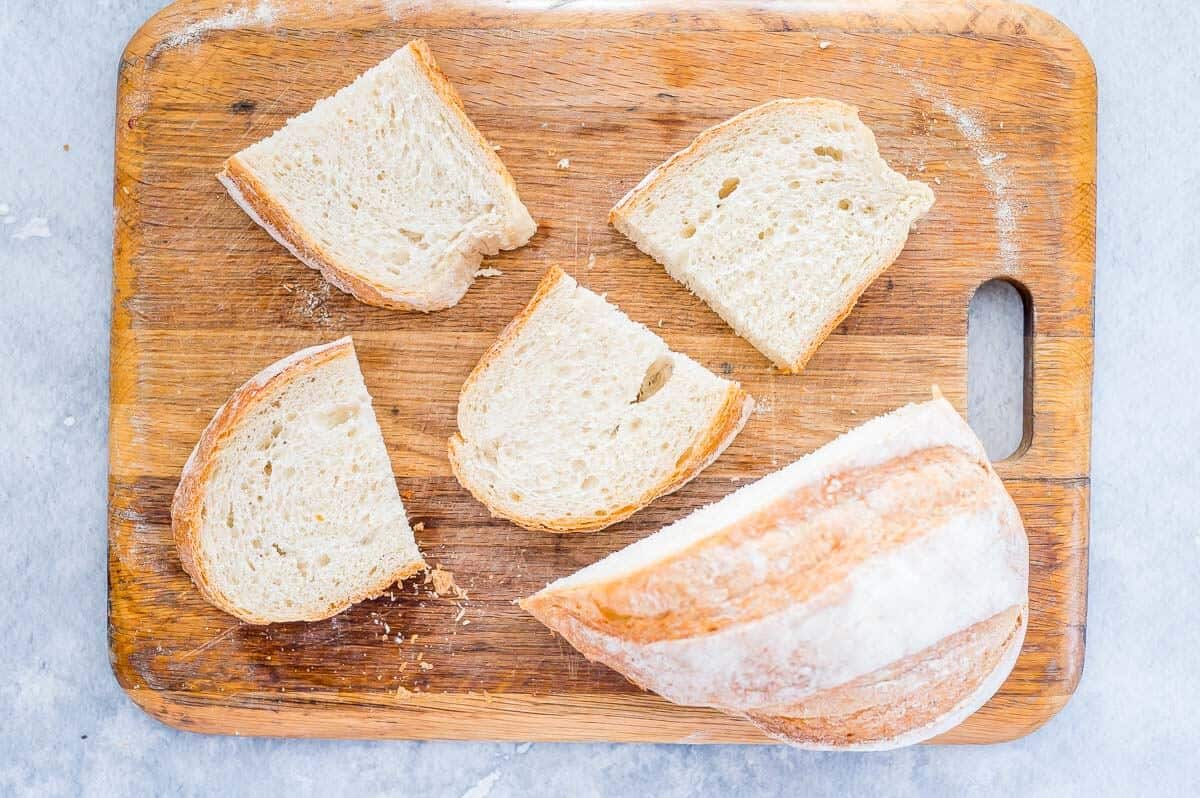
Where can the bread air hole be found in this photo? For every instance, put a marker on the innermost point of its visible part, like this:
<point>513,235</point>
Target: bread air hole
<point>728,187</point>
<point>689,230</point>
<point>589,483</point>
<point>339,415</point>
<point>657,375</point>
<point>844,204</point>
<point>828,152</point>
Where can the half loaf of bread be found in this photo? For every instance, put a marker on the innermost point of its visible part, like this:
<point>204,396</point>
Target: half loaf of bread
<point>386,187</point>
<point>870,595</point>
<point>578,416</point>
<point>778,218</point>
<point>287,509</point>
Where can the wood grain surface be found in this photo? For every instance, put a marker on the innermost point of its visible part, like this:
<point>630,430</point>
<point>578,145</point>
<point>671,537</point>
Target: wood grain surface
<point>990,103</point>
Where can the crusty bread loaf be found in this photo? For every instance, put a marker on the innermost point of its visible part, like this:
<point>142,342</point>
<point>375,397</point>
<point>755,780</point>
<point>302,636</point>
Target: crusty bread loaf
<point>386,187</point>
<point>870,595</point>
<point>778,218</point>
<point>578,416</point>
<point>287,509</point>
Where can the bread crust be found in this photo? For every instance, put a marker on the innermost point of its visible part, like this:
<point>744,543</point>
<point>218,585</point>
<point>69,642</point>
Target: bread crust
<point>189,495</point>
<point>620,214</point>
<point>862,511</point>
<point>269,212</point>
<point>946,684</point>
<point>729,420</point>
<point>662,622</point>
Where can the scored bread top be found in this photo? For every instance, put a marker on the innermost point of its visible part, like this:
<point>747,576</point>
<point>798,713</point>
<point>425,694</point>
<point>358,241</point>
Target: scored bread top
<point>578,416</point>
<point>287,509</point>
<point>778,218</point>
<point>871,594</point>
<point>386,187</point>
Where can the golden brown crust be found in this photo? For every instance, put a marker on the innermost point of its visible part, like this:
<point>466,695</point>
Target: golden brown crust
<point>188,501</point>
<point>712,441</point>
<point>849,517</point>
<point>909,694</point>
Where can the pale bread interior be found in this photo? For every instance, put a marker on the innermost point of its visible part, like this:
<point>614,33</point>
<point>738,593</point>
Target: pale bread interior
<point>778,219</point>
<point>583,414</point>
<point>392,185</point>
<point>300,514</point>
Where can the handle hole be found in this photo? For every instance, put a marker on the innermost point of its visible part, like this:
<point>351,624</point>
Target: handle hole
<point>1000,367</point>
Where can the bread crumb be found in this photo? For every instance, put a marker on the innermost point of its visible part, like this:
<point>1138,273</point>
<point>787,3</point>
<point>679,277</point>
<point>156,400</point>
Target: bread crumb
<point>565,163</point>
<point>404,693</point>
<point>937,180</point>
<point>921,166</point>
<point>66,148</point>
<point>406,495</point>
<point>660,322</point>
<point>69,421</point>
<point>425,666</point>
<point>466,622</point>
<point>824,45</point>
<point>496,148</point>
<point>461,612</point>
<point>591,261</point>
<point>443,583</point>
<point>545,125</point>
<point>488,272</point>
<point>419,526</point>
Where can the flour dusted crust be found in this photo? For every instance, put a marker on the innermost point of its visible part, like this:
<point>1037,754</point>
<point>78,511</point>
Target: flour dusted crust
<point>272,214</point>
<point>189,495</point>
<point>871,595</point>
<point>708,445</point>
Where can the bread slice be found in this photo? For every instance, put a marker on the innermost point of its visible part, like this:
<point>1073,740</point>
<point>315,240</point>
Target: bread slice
<point>386,187</point>
<point>287,509</point>
<point>577,416</point>
<point>778,218</point>
<point>870,595</point>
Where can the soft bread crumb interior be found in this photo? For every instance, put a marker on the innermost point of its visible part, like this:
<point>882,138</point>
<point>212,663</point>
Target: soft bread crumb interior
<point>387,179</point>
<point>778,220</point>
<point>300,511</point>
<point>585,412</point>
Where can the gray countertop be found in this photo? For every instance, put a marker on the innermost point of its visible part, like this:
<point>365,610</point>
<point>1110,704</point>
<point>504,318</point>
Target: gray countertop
<point>67,729</point>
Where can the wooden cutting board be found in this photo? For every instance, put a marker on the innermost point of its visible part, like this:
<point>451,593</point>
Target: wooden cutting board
<point>992,104</point>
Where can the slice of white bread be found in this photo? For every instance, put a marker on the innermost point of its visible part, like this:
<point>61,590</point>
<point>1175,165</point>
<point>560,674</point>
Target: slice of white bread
<point>578,416</point>
<point>779,219</point>
<point>870,595</point>
<point>287,509</point>
<point>386,187</point>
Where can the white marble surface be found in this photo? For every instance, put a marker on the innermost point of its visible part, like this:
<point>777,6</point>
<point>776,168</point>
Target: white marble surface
<point>68,730</point>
